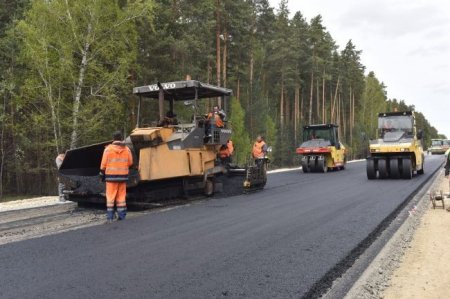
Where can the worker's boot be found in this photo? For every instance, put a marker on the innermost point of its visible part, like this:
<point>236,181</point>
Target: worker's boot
<point>121,213</point>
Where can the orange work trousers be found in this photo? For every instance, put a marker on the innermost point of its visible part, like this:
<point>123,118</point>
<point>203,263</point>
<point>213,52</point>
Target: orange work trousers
<point>116,193</point>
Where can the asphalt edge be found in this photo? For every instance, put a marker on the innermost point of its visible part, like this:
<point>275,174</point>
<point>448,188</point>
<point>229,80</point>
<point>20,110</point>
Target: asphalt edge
<point>341,280</point>
<point>375,279</point>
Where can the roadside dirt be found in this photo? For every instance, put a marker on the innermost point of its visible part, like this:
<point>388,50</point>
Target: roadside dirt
<point>423,270</point>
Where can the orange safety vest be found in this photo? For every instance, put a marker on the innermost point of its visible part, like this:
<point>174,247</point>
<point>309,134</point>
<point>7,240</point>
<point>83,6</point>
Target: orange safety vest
<point>217,119</point>
<point>257,151</point>
<point>226,150</point>
<point>116,161</point>
<point>230,147</point>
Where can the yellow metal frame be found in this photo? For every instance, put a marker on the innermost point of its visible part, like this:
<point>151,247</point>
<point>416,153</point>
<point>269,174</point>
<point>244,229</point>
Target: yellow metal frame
<point>160,162</point>
<point>336,157</point>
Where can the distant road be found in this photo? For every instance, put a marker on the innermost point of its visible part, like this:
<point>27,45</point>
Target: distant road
<point>272,244</point>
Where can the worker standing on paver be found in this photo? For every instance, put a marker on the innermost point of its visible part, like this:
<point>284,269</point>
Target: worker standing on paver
<point>116,161</point>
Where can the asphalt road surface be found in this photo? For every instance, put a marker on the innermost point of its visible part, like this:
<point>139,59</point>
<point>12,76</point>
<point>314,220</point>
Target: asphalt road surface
<point>276,243</point>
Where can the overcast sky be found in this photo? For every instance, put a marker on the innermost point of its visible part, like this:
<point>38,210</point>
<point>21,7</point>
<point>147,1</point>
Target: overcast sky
<point>406,43</point>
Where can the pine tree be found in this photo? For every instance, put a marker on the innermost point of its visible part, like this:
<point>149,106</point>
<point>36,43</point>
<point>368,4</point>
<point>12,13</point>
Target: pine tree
<point>241,139</point>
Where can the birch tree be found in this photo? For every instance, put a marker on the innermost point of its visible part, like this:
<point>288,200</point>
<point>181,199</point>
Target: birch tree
<point>80,51</point>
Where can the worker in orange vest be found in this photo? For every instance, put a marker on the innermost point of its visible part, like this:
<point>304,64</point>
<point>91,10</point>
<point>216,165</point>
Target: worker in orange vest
<point>225,152</point>
<point>114,168</point>
<point>218,116</point>
<point>259,150</point>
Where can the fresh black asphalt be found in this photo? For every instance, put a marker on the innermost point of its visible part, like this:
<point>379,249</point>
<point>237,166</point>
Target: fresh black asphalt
<point>276,243</point>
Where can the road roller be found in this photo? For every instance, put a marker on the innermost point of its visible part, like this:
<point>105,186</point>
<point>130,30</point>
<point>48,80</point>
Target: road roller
<point>397,153</point>
<point>321,149</point>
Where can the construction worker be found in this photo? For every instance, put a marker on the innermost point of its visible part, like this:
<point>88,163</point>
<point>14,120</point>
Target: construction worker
<point>259,150</point>
<point>225,152</point>
<point>214,119</point>
<point>59,160</point>
<point>114,167</point>
<point>218,116</point>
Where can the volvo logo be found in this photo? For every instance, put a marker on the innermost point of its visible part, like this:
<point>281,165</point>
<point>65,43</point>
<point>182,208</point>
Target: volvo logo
<point>155,87</point>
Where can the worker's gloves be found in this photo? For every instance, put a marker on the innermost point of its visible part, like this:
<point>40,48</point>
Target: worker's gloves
<point>102,176</point>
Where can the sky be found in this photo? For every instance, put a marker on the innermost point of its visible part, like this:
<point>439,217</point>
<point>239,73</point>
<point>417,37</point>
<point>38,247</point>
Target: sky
<point>406,43</point>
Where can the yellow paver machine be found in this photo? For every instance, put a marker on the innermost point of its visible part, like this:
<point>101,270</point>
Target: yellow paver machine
<point>171,159</point>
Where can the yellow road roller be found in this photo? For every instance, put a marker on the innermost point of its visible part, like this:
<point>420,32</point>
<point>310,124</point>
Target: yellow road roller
<point>397,152</point>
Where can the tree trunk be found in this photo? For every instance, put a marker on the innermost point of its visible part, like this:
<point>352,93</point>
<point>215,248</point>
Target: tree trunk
<point>2,142</point>
<point>350,118</point>
<point>78,89</point>
<point>208,80</point>
<point>224,59</point>
<point>317,100</point>
<point>332,118</point>
<point>324,117</point>
<point>218,48</point>
<point>51,103</point>
<point>17,169</point>
<point>287,110</point>
<point>311,97</point>
<point>296,112</point>
<point>338,115</point>
<point>282,101</point>
<point>238,91</point>
<point>251,90</point>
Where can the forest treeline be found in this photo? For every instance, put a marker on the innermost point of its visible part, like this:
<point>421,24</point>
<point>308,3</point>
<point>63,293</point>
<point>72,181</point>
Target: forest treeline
<point>68,69</point>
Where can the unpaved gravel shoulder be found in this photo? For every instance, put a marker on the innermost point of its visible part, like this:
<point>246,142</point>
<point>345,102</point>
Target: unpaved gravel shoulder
<point>42,216</point>
<point>31,203</point>
<point>37,217</point>
<point>413,263</point>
